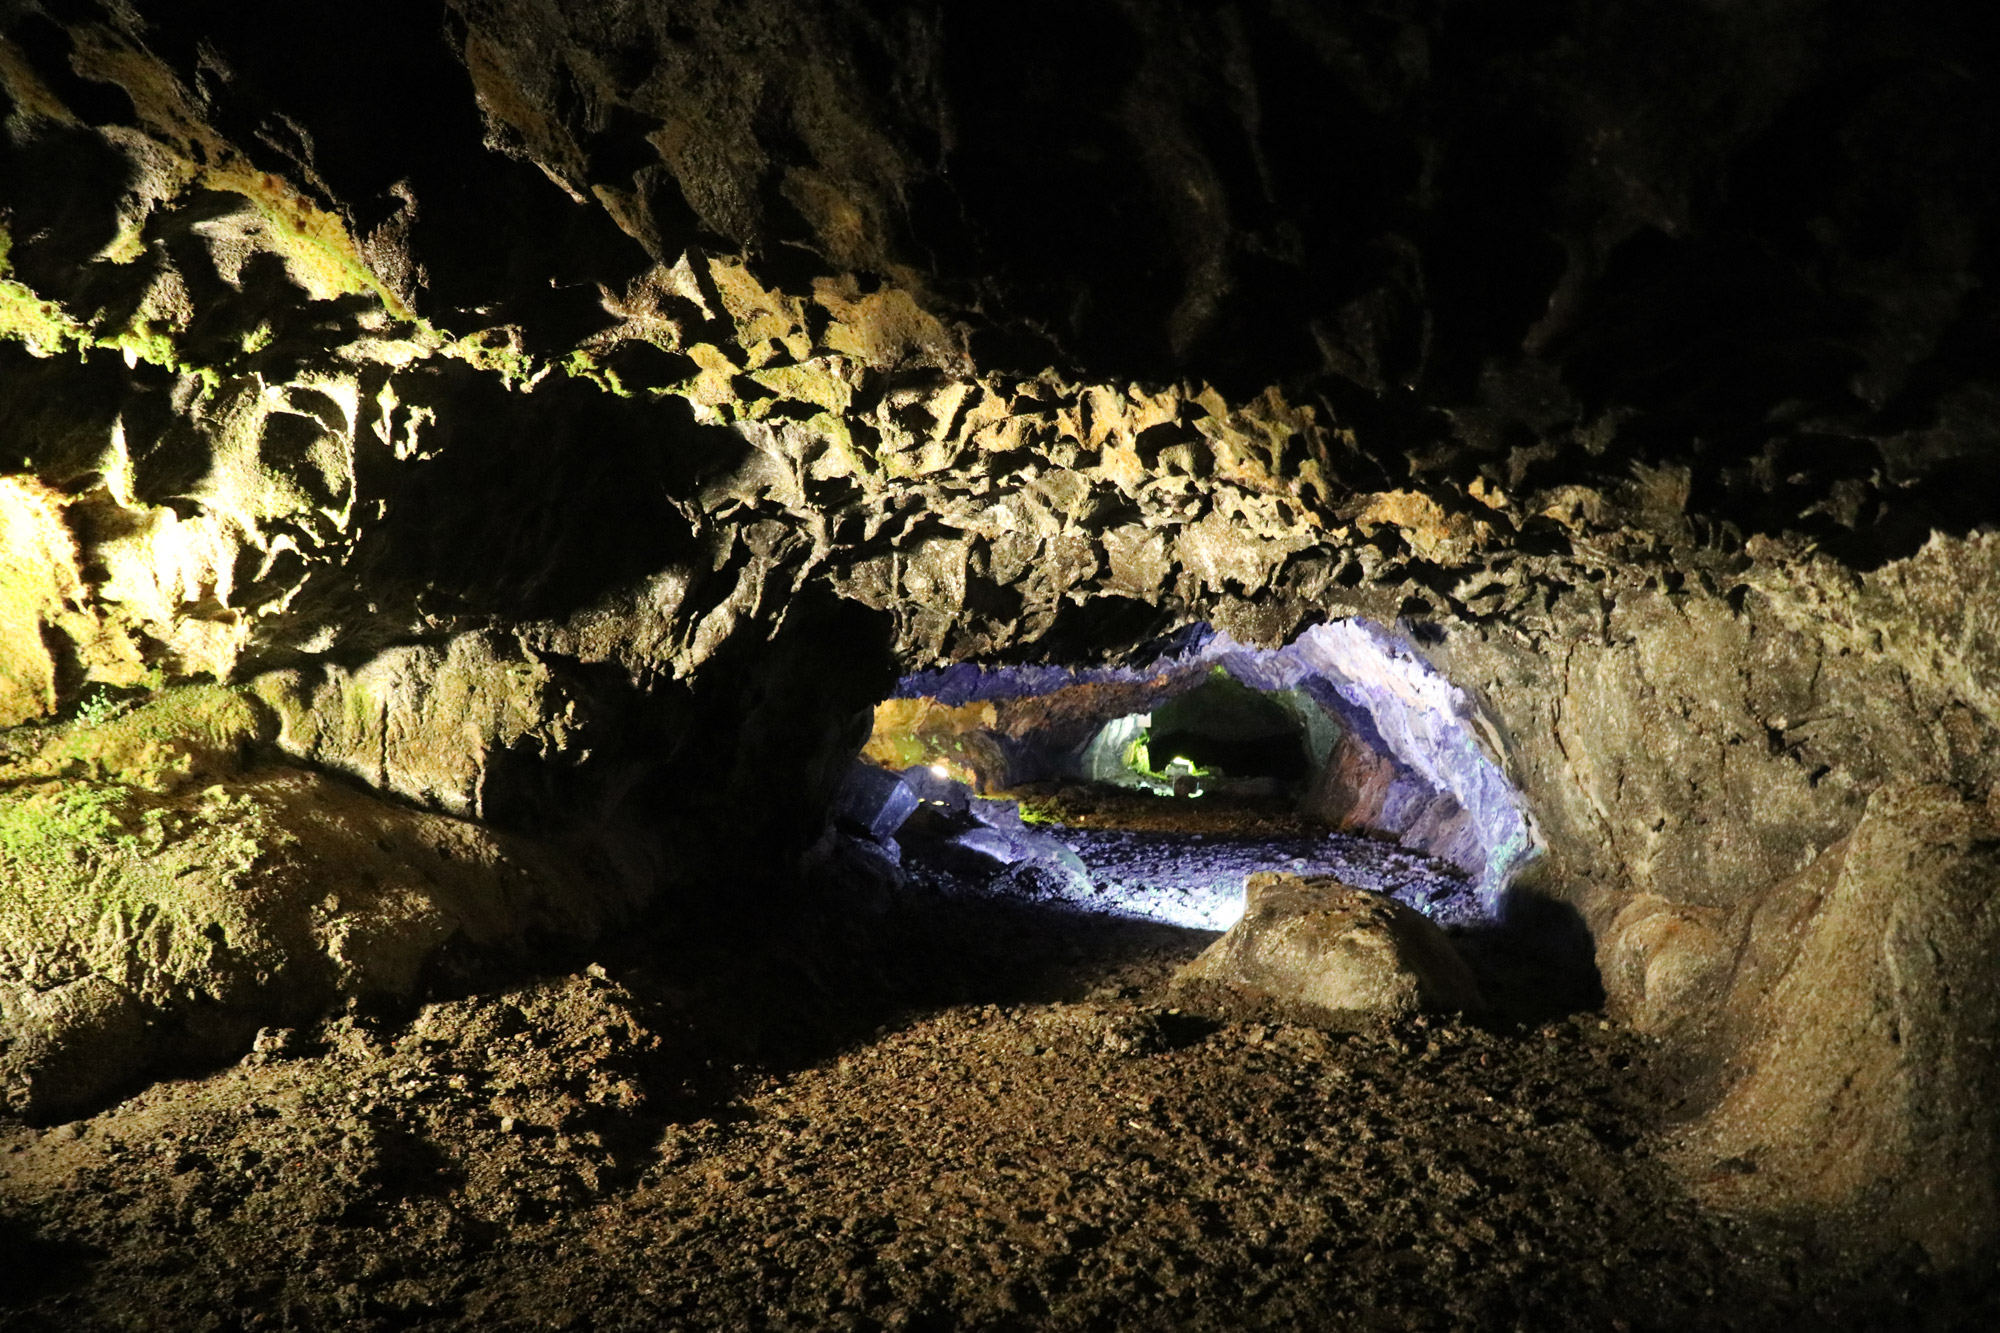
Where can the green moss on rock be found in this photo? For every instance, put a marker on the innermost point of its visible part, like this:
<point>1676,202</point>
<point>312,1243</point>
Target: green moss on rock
<point>86,868</point>
<point>166,890</point>
<point>185,732</point>
<point>104,838</point>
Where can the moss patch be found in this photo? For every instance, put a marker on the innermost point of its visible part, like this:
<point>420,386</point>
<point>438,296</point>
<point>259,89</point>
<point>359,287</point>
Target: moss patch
<point>182,733</point>
<point>97,850</point>
<point>154,870</point>
<point>87,867</point>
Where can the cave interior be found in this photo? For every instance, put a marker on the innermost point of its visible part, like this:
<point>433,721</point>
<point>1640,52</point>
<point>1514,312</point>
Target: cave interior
<point>888,665</point>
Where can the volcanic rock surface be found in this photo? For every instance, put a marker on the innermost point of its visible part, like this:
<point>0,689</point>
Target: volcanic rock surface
<point>559,424</point>
<point>1327,945</point>
<point>1032,1142</point>
<point>164,894</point>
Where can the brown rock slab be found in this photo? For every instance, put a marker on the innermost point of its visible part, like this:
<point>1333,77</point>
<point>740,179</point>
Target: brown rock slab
<point>1329,945</point>
<point>1862,1080</point>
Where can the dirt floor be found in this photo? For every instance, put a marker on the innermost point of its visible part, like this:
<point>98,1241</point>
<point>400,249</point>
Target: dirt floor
<point>947,1114</point>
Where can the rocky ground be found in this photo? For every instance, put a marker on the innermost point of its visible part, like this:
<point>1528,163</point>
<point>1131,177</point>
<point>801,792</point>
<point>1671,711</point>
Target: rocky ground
<point>954,1113</point>
<point>1203,883</point>
<point>1185,862</point>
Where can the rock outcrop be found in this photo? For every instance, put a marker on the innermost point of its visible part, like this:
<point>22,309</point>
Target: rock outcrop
<point>1860,1019</point>
<point>1325,945</point>
<point>165,893</point>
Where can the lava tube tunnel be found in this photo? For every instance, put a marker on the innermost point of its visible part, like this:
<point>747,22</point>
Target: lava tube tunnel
<point>1318,757</point>
<point>1104,666</point>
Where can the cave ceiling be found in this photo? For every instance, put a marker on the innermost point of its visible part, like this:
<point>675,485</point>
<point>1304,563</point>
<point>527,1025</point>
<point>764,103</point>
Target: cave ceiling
<point>615,326</point>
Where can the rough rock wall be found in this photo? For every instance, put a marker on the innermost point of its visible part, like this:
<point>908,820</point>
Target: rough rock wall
<point>1699,747</point>
<point>1773,811</point>
<point>545,356</point>
<point>166,891</point>
<point>209,204</point>
<point>1863,1061</point>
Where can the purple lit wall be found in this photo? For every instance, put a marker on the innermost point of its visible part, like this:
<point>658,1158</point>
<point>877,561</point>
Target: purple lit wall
<point>1446,792</point>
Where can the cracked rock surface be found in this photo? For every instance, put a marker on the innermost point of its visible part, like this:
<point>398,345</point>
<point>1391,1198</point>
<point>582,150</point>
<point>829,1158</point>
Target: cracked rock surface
<point>572,418</point>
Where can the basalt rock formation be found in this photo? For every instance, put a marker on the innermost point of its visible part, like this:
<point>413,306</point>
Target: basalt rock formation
<point>1335,947</point>
<point>571,418</point>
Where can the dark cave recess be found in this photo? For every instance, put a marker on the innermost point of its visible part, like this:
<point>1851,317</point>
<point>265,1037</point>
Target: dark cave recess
<point>1240,734</point>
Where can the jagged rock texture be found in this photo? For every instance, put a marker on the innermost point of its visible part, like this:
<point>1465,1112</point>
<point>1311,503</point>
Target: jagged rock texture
<point>526,395</point>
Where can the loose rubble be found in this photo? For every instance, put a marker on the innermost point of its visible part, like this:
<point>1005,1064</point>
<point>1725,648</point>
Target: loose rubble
<point>1049,1144</point>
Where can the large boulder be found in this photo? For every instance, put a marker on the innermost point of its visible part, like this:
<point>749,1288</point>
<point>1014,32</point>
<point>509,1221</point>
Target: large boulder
<point>1326,944</point>
<point>166,891</point>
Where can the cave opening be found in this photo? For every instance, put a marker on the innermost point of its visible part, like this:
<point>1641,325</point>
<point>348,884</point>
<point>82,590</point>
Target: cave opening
<point>1155,789</point>
<point>1493,506</point>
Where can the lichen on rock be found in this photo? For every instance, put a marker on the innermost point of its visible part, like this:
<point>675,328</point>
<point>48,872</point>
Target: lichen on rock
<point>165,891</point>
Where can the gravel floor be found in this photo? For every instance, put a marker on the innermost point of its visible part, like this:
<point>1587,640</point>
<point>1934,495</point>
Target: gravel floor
<point>1197,880</point>
<point>941,1113</point>
<point>1184,863</point>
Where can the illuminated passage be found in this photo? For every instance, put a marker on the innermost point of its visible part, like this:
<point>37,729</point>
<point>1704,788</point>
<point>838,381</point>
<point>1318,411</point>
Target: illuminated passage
<point>1155,789</point>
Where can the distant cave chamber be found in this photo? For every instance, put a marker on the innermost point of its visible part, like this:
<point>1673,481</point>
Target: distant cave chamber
<point>1342,753</point>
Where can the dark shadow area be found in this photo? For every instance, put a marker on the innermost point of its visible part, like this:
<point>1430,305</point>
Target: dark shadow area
<point>761,997</point>
<point>746,998</point>
<point>1535,964</point>
<point>1221,724</point>
<point>798,996</point>
<point>32,1267</point>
